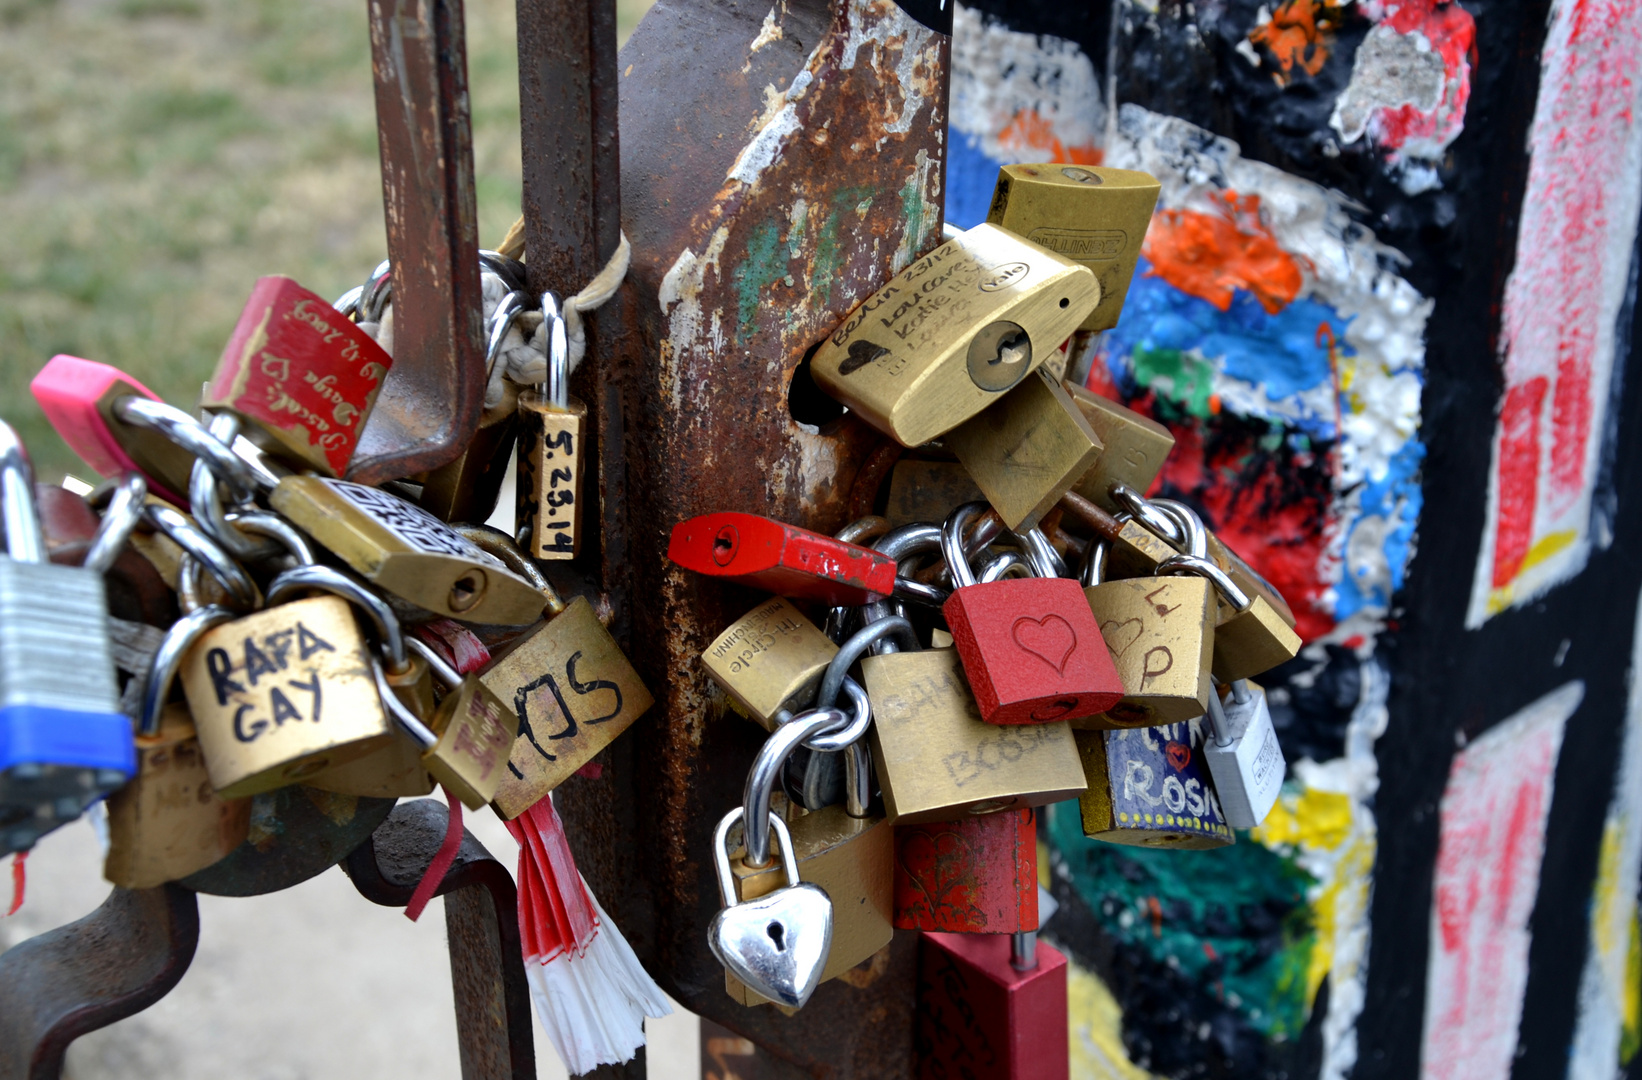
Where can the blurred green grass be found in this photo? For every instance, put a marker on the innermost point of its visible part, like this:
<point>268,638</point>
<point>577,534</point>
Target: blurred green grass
<point>158,156</point>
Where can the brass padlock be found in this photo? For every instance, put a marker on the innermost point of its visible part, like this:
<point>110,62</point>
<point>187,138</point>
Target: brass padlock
<point>1134,448</point>
<point>399,547</point>
<point>1026,450</point>
<point>921,490</point>
<point>1151,786</point>
<point>771,659</point>
<point>468,737</point>
<point>1161,634</point>
<point>1250,637</point>
<point>553,427</point>
<point>396,770</point>
<point>952,332</point>
<point>573,691</point>
<point>937,759</point>
<point>281,695</point>
<point>1095,215</point>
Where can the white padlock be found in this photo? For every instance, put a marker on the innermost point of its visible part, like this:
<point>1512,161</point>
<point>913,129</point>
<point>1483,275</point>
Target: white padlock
<point>1245,761</point>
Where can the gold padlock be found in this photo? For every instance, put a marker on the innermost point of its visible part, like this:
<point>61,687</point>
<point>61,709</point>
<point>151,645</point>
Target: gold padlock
<point>281,695</point>
<point>1150,786</point>
<point>1161,637</point>
<point>1026,450</point>
<point>396,770</point>
<point>468,737</point>
<point>553,427</point>
<point>952,332</point>
<point>1094,215</point>
<point>937,759</point>
<point>922,490</point>
<point>1249,637</point>
<point>771,659</point>
<point>1134,448</point>
<point>169,821</point>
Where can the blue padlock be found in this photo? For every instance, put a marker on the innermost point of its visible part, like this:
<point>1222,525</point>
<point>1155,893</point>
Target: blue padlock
<point>64,744</point>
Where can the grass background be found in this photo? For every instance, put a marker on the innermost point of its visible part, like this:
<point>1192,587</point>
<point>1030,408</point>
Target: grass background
<point>158,156</point>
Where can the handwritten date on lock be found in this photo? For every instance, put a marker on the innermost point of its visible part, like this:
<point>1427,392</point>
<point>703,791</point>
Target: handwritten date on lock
<point>270,659</point>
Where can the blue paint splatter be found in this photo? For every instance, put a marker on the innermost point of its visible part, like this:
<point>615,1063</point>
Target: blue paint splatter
<point>970,178</point>
<point>1395,499</point>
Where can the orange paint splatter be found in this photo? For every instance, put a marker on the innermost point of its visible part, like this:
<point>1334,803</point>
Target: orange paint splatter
<point>1299,35</point>
<point>1213,255</point>
<point>1029,132</point>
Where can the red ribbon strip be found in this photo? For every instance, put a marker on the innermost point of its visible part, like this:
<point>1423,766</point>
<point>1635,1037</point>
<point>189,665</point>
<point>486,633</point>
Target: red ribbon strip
<point>440,866</point>
<point>19,881</point>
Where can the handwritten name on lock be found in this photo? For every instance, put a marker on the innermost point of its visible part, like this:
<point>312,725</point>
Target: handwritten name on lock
<point>1160,777</point>
<point>941,283</point>
<point>992,747</point>
<point>302,371</point>
<point>278,677</point>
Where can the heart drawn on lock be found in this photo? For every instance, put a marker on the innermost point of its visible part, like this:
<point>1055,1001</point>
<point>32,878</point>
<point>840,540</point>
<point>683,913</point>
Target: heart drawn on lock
<point>1050,639</point>
<point>777,944</point>
<point>1115,632</point>
<point>1178,753</point>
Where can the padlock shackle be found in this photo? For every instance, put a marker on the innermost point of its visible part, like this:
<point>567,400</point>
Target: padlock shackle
<point>205,499</point>
<point>501,321</point>
<point>399,712</point>
<point>1002,564</point>
<point>448,676</point>
<point>347,305</point>
<point>863,531</point>
<point>192,436</point>
<point>556,390</point>
<point>276,528</point>
<point>856,647</point>
<point>858,780</point>
<point>721,856</point>
<point>120,519</point>
<point>192,539</point>
<point>861,716</point>
<point>498,543</point>
<point>1093,571</point>
<point>162,668</point>
<point>1192,564</point>
<point>1195,537</point>
<point>1041,555</point>
<point>952,542</point>
<point>1147,513</point>
<point>378,292</point>
<point>390,637</point>
<point>25,539</point>
<point>1219,725</point>
<point>766,770</point>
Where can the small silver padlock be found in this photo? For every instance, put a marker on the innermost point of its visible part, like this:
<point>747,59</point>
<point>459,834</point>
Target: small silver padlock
<point>1245,761</point>
<point>777,944</point>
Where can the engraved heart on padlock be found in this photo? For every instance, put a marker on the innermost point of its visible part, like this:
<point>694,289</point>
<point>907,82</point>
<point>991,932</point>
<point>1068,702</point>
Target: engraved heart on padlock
<point>777,944</point>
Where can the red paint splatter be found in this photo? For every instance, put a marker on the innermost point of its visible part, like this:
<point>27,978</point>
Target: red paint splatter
<point>1452,33</point>
<point>1571,413</point>
<point>1031,133</point>
<point>19,881</point>
<point>1211,256</point>
<point>1156,911</point>
<point>1518,477</point>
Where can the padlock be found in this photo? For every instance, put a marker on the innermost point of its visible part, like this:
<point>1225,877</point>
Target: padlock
<point>1161,634</point>
<point>304,377</point>
<point>63,741</point>
<point>771,659</point>
<point>552,449</point>
<point>1031,649</point>
<point>1250,637</point>
<point>1134,447</point>
<point>1027,449</point>
<point>1093,215</point>
<point>1244,757</point>
<point>169,821</point>
<point>780,558</point>
<point>466,741</point>
<point>973,876</point>
<point>778,943</point>
<point>1150,786</point>
<point>937,760</point>
<point>845,849</point>
<point>282,694</point>
<point>118,425</point>
<point>923,490</point>
<point>952,332</point>
<point>573,691</point>
<point>401,548</point>
<point>990,1007</point>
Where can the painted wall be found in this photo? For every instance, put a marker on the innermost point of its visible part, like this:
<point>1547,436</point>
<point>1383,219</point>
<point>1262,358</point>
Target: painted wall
<point>1354,270</point>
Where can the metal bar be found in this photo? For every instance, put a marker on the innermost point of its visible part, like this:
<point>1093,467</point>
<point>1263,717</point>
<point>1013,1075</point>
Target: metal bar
<point>429,406</point>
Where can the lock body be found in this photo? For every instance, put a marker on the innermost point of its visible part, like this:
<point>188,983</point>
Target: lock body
<point>1151,787</point>
<point>551,455</point>
<point>952,332</point>
<point>1248,770</point>
<point>849,858</point>
<point>770,659</point>
<point>1026,450</point>
<point>169,821</point>
<point>572,691</point>
<point>974,876</point>
<point>1252,641</point>
<point>921,490</point>
<point>476,731</point>
<point>403,549</point>
<point>283,694</point>
<point>395,770</point>
<point>1133,448</point>
<point>1032,651</point>
<point>1161,636</point>
<point>979,1017</point>
<point>781,558</point>
<point>1095,215</point>
<point>937,760</point>
<point>303,375</point>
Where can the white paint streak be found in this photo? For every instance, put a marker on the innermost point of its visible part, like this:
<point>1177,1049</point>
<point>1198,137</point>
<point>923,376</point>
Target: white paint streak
<point>1595,1051</point>
<point>765,147</point>
<point>1487,876</point>
<point>770,31</point>
<point>1012,91</point>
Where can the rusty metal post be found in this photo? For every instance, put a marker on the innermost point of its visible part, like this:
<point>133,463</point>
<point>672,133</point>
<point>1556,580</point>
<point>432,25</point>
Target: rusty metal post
<point>429,405</point>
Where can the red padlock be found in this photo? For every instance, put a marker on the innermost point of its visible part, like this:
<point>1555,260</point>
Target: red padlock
<point>1031,648</point>
<point>303,375</point>
<point>975,876</point>
<point>991,1007</point>
<point>782,559</point>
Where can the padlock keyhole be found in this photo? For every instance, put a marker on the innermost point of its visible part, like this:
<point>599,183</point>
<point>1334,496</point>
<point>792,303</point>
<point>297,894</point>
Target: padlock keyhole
<point>466,590</point>
<point>725,544</point>
<point>778,934</point>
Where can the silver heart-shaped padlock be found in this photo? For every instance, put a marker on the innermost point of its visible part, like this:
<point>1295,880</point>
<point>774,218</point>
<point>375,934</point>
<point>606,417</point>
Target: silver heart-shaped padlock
<point>778,943</point>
